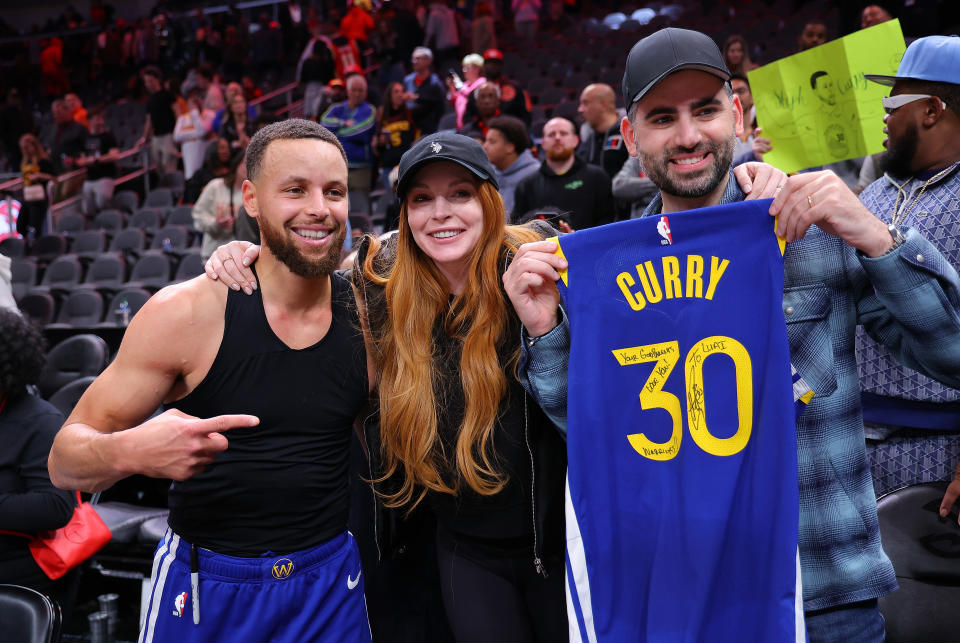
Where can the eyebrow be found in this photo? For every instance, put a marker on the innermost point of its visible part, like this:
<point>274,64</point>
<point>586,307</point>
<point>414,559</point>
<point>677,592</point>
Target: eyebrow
<point>301,179</point>
<point>703,102</point>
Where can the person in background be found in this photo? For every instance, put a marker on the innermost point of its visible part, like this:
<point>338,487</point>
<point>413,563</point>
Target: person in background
<point>215,212</point>
<point>397,130</point>
<point>357,23</point>
<point>813,34</point>
<point>483,31</point>
<point>354,123</point>
<point>192,132</point>
<point>100,156</point>
<point>442,34</point>
<point>565,181</point>
<point>64,138</point>
<point>751,145</point>
<point>514,100</point>
<point>736,54</point>
<point>237,127</point>
<point>15,121</point>
<point>508,146</point>
<point>487,99</point>
<point>526,17</point>
<point>874,14</point>
<point>77,111</point>
<point>424,92</point>
<point>632,188</point>
<point>37,170</point>
<point>472,65</point>
<point>6,288</point>
<point>232,90</point>
<point>161,118</point>
<point>600,141</point>
<point>29,503</point>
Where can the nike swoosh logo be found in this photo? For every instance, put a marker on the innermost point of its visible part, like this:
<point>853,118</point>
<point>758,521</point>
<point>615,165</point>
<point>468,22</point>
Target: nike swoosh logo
<point>353,582</point>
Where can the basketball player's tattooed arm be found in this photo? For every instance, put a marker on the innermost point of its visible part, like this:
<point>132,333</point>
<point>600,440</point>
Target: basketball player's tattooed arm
<point>166,351</point>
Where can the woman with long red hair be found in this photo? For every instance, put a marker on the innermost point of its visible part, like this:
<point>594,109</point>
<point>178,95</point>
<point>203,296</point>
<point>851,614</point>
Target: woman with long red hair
<point>456,431</point>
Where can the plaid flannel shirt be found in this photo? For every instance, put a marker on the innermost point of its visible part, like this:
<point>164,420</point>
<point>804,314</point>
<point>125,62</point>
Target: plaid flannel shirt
<point>907,300</point>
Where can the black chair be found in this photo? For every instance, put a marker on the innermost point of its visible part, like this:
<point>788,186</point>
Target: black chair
<point>27,616</point>
<point>70,223</point>
<point>15,247</point>
<point>151,272</point>
<point>182,215</point>
<point>107,273</point>
<point>126,200</point>
<point>130,241</point>
<point>191,265</point>
<point>81,309</point>
<point>88,244</point>
<point>173,239</point>
<point>124,306</point>
<point>61,275</point>
<point>175,181</point>
<point>924,551</point>
<point>49,247</point>
<point>159,198</point>
<point>110,220</point>
<point>38,307</point>
<point>145,219</point>
<point>75,357</point>
<point>68,396</point>
<point>23,277</point>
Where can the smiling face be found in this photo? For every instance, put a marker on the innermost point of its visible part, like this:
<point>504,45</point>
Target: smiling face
<point>299,198</point>
<point>445,217</point>
<point>684,133</point>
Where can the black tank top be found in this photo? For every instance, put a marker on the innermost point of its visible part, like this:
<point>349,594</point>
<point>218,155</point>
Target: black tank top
<point>280,486</point>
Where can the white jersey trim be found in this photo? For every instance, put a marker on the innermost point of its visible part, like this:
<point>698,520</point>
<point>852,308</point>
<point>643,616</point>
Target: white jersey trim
<point>580,581</point>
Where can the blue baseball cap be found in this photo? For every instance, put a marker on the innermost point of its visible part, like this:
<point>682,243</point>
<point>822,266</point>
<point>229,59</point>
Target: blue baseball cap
<point>934,58</point>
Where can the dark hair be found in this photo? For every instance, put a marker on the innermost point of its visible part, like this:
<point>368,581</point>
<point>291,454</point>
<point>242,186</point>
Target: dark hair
<point>814,76</point>
<point>514,130</point>
<point>388,110</point>
<point>947,92</point>
<point>23,349</point>
<point>740,77</point>
<point>153,71</point>
<point>290,129</point>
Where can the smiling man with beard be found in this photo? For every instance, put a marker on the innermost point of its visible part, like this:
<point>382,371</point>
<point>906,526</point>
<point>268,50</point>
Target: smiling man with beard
<point>258,547</point>
<point>920,188</point>
<point>843,268</point>
<point>565,181</point>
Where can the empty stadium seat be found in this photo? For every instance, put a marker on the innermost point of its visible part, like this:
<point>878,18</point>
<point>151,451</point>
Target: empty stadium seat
<point>110,220</point>
<point>151,272</point>
<point>68,396</point>
<point>82,308</point>
<point>49,247</point>
<point>73,358</point>
<point>62,274</point>
<point>88,244</point>
<point>145,219</point>
<point>124,306</point>
<point>70,222</point>
<point>159,198</point>
<point>171,238</point>
<point>13,247</point>
<point>129,241</point>
<point>28,616</point>
<point>175,181</point>
<point>38,307</point>
<point>126,200</point>
<point>23,277</point>
<point>181,215</point>
<point>191,265</point>
<point>107,273</point>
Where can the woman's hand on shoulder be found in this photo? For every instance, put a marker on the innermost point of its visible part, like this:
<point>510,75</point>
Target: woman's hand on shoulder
<point>531,284</point>
<point>230,263</point>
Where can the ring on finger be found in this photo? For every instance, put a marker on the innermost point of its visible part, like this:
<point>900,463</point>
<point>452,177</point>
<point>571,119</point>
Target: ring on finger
<point>810,200</point>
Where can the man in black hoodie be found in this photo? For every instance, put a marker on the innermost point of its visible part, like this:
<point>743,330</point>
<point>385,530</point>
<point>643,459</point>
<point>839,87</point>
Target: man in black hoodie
<point>565,181</point>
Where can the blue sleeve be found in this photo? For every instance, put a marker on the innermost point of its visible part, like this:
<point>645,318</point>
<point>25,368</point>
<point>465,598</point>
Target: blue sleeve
<point>543,370</point>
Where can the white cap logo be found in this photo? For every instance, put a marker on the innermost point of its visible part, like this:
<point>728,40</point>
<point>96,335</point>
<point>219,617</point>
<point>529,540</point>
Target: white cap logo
<point>436,147</point>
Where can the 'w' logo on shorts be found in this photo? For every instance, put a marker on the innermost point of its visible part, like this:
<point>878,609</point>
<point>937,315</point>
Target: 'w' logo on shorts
<point>282,569</point>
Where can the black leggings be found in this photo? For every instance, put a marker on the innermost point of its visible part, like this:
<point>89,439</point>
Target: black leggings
<point>500,597</point>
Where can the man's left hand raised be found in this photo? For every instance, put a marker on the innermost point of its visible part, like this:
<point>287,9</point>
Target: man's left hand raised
<point>821,198</point>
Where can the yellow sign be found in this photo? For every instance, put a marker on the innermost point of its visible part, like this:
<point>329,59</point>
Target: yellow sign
<point>816,107</point>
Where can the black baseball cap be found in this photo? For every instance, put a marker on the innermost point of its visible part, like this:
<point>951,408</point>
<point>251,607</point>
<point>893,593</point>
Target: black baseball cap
<point>671,49</point>
<point>445,146</point>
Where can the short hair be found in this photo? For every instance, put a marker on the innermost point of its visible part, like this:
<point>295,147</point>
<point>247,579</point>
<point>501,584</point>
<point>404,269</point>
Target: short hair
<point>421,51</point>
<point>476,92</point>
<point>949,93</point>
<point>23,349</point>
<point>814,76</point>
<point>740,77</point>
<point>153,71</point>
<point>472,59</point>
<point>514,130</point>
<point>573,125</point>
<point>288,130</point>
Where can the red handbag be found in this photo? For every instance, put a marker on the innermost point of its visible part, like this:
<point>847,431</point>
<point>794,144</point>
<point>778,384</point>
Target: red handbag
<point>57,552</point>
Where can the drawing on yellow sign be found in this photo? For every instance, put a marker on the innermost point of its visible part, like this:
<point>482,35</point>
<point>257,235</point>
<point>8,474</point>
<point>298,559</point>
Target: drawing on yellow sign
<point>816,107</point>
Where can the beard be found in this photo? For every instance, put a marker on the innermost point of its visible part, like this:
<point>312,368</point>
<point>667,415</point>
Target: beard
<point>898,158</point>
<point>293,258</point>
<point>559,155</point>
<point>657,168</point>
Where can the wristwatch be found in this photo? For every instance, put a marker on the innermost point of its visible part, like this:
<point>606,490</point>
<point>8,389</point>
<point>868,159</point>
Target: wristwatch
<point>898,237</point>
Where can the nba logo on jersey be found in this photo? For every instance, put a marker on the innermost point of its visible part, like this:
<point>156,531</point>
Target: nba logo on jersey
<point>663,228</point>
<point>682,505</point>
<point>179,603</point>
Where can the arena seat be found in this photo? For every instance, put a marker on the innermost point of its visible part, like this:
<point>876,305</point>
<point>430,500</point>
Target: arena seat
<point>68,396</point>
<point>70,223</point>
<point>88,244</point>
<point>107,273</point>
<point>126,520</point>
<point>126,200</point>
<point>13,247</point>
<point>49,247</point>
<point>145,219</point>
<point>123,306</point>
<point>159,198</point>
<point>110,220</point>
<point>191,265</point>
<point>181,215</point>
<point>129,241</point>
<point>925,551</point>
<point>28,616</point>
<point>72,359</point>
<point>61,275</point>
<point>171,238</point>
<point>176,182</point>
<point>151,272</point>
<point>23,277</point>
<point>81,308</point>
<point>38,307</point>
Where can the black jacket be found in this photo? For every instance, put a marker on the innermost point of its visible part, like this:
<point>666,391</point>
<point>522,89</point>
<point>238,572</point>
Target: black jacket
<point>584,191</point>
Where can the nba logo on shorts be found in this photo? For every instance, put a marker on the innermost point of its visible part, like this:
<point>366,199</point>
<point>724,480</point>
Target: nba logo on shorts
<point>178,603</point>
<point>663,227</point>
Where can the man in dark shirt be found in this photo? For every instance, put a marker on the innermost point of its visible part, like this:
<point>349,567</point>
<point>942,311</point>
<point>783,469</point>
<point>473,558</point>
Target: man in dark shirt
<point>601,143</point>
<point>64,137</point>
<point>487,97</point>
<point>99,157</point>
<point>424,92</point>
<point>161,118</point>
<point>258,518</point>
<point>565,181</point>
<point>514,100</point>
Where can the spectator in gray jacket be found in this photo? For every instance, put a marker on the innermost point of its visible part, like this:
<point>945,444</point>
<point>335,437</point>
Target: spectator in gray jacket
<point>507,145</point>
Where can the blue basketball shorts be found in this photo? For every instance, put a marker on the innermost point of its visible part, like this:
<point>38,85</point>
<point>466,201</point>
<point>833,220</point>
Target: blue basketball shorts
<point>310,595</point>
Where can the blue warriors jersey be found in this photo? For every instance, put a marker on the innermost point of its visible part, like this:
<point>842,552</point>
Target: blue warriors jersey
<point>682,501</point>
